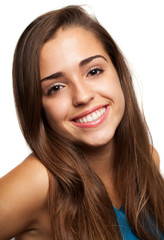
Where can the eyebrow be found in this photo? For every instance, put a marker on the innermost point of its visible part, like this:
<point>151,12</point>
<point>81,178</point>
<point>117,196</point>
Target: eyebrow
<point>81,64</point>
<point>87,60</point>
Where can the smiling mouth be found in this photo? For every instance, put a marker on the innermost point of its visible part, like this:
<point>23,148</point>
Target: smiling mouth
<point>92,119</point>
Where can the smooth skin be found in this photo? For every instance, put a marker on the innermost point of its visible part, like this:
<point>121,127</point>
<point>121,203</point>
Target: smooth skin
<point>80,85</point>
<point>24,191</point>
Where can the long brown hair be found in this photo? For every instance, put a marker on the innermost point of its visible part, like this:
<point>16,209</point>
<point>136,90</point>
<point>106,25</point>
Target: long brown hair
<point>79,205</point>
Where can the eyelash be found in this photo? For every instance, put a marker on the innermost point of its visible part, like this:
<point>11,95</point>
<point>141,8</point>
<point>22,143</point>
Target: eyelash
<point>92,72</point>
<point>95,71</point>
<point>52,88</point>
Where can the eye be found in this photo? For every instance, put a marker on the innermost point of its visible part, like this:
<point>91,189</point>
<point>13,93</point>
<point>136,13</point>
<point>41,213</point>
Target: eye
<point>95,71</point>
<point>54,89</point>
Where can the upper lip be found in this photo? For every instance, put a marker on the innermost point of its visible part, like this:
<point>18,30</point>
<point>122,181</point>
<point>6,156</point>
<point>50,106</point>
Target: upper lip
<point>89,111</point>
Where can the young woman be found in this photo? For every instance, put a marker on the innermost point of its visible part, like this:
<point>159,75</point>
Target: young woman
<point>93,173</point>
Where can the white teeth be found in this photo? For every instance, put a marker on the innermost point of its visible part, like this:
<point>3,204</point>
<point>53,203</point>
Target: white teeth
<point>84,120</point>
<point>93,116</point>
<point>89,118</point>
<point>99,114</point>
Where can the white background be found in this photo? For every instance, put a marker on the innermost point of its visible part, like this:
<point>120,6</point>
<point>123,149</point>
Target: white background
<point>138,28</point>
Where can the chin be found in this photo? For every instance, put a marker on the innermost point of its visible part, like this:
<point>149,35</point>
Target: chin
<point>97,141</point>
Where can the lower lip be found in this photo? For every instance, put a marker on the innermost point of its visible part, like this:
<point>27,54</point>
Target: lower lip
<point>93,123</point>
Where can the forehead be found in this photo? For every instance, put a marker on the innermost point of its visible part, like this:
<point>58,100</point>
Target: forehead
<point>67,48</point>
<point>70,41</point>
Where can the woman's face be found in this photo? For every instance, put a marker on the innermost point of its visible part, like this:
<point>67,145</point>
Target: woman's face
<point>82,97</point>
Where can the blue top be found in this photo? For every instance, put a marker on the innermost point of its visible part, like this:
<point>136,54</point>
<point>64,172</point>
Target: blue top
<point>126,231</point>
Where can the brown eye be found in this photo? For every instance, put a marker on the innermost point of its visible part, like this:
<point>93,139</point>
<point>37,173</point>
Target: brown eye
<point>94,72</point>
<point>54,89</point>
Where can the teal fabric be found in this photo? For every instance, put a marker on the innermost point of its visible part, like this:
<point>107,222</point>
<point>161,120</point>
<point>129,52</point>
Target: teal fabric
<point>126,231</point>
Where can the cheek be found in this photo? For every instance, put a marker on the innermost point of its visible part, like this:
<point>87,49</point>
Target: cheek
<point>118,98</point>
<point>55,111</point>
<point>110,88</point>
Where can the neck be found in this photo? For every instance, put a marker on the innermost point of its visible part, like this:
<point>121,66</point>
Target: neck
<point>101,159</point>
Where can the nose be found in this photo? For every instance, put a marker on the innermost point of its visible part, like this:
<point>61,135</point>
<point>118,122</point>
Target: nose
<point>82,93</point>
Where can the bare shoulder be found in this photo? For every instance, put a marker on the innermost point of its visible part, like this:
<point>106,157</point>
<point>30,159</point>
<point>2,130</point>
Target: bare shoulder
<point>23,192</point>
<point>31,172</point>
<point>155,156</point>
